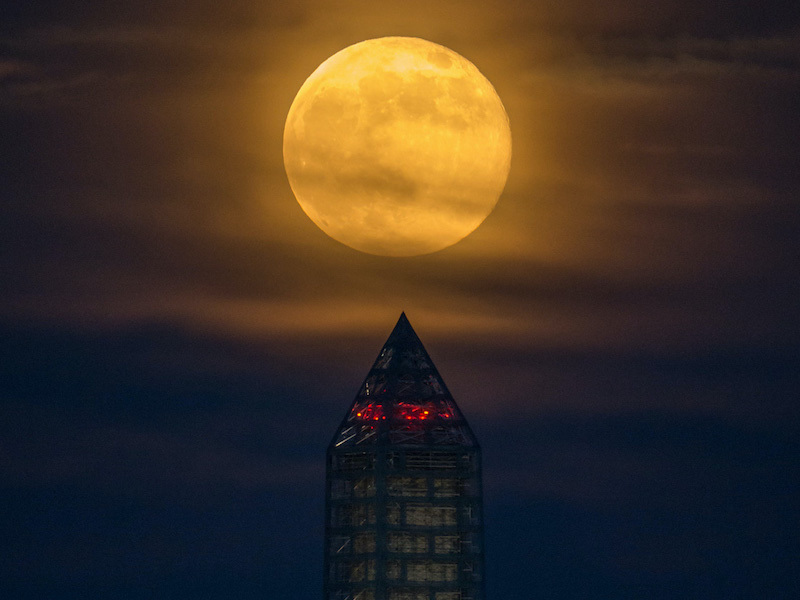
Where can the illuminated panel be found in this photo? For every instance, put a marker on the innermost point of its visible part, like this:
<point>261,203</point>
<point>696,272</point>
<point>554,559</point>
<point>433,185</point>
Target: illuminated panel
<point>403,411</point>
<point>421,412</point>
<point>368,411</point>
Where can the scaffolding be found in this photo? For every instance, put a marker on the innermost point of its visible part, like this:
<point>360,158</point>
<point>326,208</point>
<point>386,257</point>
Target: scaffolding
<point>403,487</point>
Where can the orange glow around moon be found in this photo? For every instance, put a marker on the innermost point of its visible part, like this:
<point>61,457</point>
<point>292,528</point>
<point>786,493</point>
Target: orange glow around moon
<point>397,146</point>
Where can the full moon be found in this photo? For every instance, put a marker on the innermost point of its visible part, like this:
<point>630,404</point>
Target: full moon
<point>397,146</point>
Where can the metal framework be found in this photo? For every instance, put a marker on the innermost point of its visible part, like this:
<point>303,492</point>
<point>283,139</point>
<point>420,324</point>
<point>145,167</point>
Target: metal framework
<point>403,487</point>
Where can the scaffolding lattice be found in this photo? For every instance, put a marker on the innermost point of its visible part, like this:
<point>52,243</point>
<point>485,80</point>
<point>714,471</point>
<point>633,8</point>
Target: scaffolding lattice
<point>403,499</point>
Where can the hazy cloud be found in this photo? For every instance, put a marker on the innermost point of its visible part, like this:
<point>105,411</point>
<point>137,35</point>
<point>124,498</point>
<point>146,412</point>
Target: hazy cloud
<point>179,340</point>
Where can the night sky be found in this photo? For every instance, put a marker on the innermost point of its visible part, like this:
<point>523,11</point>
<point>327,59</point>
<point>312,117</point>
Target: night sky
<point>178,341</point>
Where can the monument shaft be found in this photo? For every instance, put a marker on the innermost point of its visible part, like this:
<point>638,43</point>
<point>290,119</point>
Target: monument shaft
<point>403,487</point>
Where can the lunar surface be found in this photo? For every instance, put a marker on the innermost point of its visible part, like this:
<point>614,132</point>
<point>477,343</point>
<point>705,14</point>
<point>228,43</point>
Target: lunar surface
<point>397,146</point>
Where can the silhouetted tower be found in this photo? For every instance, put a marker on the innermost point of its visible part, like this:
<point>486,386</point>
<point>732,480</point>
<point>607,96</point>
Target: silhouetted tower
<point>403,487</point>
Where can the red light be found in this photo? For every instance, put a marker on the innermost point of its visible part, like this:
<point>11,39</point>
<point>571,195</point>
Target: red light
<point>406,411</point>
